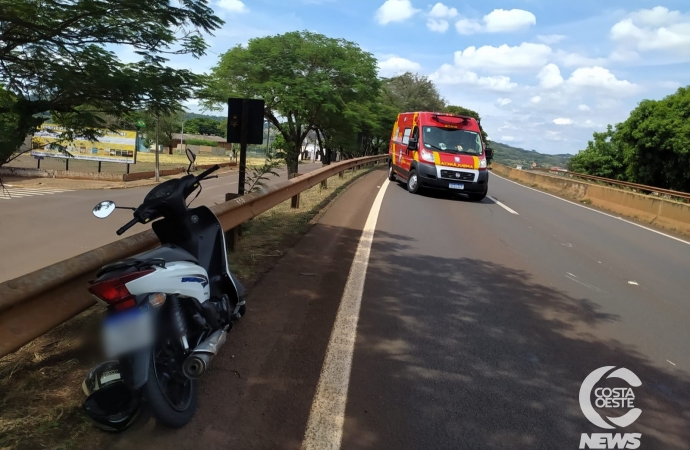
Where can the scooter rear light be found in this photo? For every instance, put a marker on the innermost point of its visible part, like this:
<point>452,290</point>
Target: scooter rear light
<point>114,291</point>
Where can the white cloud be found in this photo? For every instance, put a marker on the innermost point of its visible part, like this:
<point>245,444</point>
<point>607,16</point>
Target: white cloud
<point>525,57</point>
<point>551,38</point>
<point>235,6</point>
<point>563,121</point>
<point>453,75</point>
<point>598,77</point>
<point>395,65</point>
<point>501,20</point>
<point>498,21</point>
<point>395,11</point>
<point>657,29</point>
<point>441,11</point>
<point>467,26</point>
<point>583,108</point>
<point>439,26</point>
<point>576,60</point>
<point>504,101</point>
<point>550,77</point>
<point>507,138</point>
<point>536,99</point>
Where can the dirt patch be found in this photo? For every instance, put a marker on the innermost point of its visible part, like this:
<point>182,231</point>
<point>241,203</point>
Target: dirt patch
<point>40,385</point>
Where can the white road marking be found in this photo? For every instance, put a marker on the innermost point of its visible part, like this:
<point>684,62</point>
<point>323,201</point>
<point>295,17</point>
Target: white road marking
<point>503,206</point>
<point>11,192</point>
<point>327,415</point>
<point>596,211</point>
<point>670,362</point>
<point>574,276</point>
<point>584,284</point>
<point>634,283</point>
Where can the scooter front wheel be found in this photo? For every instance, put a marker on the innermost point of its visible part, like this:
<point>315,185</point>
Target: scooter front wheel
<point>172,397</point>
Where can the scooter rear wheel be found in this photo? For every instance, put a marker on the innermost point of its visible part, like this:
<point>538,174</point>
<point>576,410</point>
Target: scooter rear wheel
<point>172,397</point>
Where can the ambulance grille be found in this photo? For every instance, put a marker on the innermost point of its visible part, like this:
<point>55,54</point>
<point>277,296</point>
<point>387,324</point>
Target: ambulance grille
<point>455,175</point>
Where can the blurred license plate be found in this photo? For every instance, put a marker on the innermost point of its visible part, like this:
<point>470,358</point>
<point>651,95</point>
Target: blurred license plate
<point>456,186</point>
<point>127,331</point>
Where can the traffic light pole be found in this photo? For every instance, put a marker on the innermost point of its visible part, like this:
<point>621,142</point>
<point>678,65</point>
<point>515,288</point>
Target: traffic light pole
<point>244,129</point>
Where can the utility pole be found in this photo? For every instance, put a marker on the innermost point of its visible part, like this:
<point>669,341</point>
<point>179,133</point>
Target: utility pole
<point>268,138</point>
<point>157,127</point>
<point>183,147</point>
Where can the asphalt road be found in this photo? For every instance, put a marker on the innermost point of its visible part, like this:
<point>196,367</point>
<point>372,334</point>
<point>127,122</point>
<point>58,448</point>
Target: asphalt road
<point>41,230</point>
<point>478,324</point>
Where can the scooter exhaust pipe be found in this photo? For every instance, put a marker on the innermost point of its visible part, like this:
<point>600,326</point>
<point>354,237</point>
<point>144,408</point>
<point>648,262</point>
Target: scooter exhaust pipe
<point>197,363</point>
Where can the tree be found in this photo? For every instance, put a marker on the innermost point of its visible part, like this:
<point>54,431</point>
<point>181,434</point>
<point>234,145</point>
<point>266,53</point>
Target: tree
<point>205,126</point>
<point>168,124</point>
<point>412,92</point>
<point>603,157</point>
<point>462,111</point>
<point>54,58</point>
<point>300,76</point>
<point>657,139</point>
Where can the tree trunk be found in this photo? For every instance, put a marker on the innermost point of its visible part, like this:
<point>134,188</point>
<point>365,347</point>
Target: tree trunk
<point>293,155</point>
<point>325,156</point>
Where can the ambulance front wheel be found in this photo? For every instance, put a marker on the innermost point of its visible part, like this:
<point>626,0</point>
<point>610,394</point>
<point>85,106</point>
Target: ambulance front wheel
<point>413,182</point>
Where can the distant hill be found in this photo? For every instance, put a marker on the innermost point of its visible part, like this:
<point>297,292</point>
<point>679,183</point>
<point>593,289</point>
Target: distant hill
<point>513,156</point>
<point>188,116</point>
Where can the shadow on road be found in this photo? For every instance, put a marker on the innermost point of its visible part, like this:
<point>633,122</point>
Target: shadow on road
<point>463,353</point>
<point>451,353</point>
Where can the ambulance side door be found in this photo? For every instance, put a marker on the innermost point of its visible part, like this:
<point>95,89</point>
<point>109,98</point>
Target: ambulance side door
<point>404,153</point>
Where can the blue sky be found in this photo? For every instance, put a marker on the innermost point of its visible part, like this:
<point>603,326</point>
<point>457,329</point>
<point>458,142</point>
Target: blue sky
<point>544,74</point>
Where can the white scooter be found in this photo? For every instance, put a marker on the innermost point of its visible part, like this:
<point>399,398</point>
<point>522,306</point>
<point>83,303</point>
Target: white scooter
<point>169,310</point>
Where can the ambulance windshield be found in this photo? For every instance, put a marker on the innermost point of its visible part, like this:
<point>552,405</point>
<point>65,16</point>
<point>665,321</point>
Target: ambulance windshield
<point>452,140</point>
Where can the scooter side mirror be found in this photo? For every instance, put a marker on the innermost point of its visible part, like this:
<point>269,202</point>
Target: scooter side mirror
<point>104,209</point>
<point>191,157</point>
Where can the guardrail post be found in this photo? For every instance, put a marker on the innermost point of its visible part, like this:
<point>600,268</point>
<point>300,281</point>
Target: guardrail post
<point>295,200</point>
<point>324,184</point>
<point>232,236</point>
<point>341,174</point>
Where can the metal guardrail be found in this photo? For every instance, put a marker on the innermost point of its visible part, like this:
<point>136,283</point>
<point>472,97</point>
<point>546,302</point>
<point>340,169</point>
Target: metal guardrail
<point>634,186</point>
<point>34,304</point>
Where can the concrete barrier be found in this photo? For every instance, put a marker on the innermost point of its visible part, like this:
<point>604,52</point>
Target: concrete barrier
<point>668,214</point>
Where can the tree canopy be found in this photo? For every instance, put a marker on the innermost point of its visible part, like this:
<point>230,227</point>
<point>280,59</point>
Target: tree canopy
<point>207,126</point>
<point>412,92</point>
<point>54,58</point>
<point>651,147</point>
<point>301,76</point>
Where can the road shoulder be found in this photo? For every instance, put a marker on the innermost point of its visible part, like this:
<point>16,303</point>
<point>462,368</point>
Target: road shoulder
<point>259,390</point>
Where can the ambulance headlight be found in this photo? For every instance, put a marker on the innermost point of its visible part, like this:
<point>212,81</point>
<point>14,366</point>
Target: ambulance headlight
<point>427,156</point>
<point>482,164</point>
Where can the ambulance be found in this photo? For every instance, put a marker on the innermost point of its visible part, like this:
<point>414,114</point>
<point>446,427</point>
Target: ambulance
<point>440,151</point>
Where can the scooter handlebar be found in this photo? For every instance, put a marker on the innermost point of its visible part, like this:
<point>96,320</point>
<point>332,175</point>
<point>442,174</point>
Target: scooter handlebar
<point>127,226</point>
<point>207,172</point>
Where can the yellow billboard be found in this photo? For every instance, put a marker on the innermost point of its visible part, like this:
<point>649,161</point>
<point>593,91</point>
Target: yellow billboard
<point>118,146</point>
